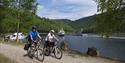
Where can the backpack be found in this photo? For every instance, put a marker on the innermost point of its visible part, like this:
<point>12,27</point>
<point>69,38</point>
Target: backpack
<point>26,46</point>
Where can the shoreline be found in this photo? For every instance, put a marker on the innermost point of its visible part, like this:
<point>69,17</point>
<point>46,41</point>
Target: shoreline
<point>72,52</point>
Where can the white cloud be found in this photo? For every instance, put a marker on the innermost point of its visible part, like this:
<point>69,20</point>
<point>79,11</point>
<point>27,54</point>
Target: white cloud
<point>77,2</point>
<point>39,8</point>
<point>55,14</point>
<point>73,12</point>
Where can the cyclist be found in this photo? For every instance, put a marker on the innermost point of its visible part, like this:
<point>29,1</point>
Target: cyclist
<point>61,32</point>
<point>50,39</point>
<point>61,35</point>
<point>33,35</point>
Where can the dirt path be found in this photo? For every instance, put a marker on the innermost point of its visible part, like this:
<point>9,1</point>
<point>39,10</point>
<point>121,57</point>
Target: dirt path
<point>17,53</point>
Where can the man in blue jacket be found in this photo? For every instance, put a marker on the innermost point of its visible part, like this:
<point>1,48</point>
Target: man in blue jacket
<point>33,35</point>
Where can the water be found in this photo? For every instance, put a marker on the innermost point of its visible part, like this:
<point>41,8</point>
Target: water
<point>112,47</point>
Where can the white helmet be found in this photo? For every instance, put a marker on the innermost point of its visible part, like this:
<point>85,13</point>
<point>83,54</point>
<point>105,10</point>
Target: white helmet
<point>52,31</point>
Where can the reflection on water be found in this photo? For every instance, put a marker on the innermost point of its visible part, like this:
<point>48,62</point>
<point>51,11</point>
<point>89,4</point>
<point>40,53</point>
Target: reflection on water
<point>113,48</point>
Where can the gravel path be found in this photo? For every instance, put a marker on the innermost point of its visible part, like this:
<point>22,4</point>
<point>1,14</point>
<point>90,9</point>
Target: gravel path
<point>17,53</point>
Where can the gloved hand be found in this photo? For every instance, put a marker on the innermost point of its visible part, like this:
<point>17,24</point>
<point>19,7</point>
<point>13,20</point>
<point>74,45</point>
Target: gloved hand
<point>34,41</point>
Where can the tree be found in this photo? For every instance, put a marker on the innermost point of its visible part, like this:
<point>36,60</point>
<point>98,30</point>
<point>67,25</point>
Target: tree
<point>111,20</point>
<point>26,5</point>
<point>23,12</point>
<point>109,5</point>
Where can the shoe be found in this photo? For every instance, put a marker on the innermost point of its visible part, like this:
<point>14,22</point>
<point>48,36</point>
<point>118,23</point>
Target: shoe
<point>31,56</point>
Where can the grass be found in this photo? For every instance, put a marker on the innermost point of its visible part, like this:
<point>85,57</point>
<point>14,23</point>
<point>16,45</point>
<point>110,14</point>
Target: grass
<point>4,59</point>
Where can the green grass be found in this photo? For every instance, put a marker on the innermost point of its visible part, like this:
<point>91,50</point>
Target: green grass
<point>4,59</point>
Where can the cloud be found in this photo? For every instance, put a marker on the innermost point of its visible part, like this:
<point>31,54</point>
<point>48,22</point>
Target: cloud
<point>39,8</point>
<point>75,2</point>
<point>66,9</point>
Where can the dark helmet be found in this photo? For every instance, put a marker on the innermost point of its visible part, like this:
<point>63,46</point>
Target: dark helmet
<point>34,27</point>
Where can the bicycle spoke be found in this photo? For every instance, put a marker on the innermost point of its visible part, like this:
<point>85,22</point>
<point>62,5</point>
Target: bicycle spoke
<point>40,55</point>
<point>58,53</point>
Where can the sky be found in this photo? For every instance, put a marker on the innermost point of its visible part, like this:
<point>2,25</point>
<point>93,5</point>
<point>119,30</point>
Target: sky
<point>66,9</point>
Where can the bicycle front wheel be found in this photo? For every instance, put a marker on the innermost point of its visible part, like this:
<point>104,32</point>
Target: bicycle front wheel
<point>40,55</point>
<point>58,53</point>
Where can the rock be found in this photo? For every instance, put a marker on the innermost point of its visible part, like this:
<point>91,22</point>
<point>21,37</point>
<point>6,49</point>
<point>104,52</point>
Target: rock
<point>92,51</point>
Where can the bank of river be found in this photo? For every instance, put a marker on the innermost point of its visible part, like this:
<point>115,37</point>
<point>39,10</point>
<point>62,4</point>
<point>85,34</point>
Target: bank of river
<point>112,47</point>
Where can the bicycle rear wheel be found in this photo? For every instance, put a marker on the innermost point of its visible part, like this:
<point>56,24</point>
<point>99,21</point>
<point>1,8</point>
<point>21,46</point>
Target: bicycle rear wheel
<point>58,53</point>
<point>40,55</point>
<point>47,51</point>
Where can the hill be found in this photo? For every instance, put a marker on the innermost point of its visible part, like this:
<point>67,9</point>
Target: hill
<point>87,24</point>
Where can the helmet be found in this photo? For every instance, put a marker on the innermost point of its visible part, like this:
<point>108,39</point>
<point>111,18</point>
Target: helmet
<point>34,27</point>
<point>52,31</point>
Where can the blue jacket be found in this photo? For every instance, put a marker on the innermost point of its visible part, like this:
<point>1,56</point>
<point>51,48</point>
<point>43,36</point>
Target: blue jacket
<point>33,35</point>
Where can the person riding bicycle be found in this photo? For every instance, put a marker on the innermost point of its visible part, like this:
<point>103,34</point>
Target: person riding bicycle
<point>33,35</point>
<point>50,39</point>
<point>51,46</point>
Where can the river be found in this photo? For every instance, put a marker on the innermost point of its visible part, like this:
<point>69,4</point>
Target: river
<point>112,47</point>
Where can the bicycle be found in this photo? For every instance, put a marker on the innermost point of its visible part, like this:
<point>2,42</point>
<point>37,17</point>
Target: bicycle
<point>36,51</point>
<point>48,49</point>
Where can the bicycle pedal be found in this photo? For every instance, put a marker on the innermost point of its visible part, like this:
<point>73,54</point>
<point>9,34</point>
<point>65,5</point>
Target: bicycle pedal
<point>31,57</point>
